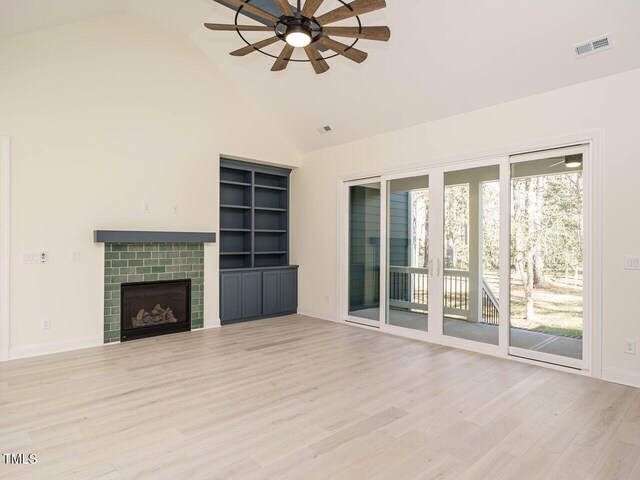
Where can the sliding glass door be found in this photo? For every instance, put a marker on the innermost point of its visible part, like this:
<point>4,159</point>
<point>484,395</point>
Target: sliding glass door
<point>364,252</point>
<point>547,256</point>
<point>471,253</point>
<point>408,246</point>
<point>488,255</point>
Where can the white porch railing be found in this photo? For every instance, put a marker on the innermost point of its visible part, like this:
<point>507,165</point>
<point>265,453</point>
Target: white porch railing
<point>408,289</point>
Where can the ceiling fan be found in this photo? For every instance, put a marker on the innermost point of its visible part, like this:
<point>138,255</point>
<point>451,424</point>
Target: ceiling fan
<point>300,28</point>
<point>570,161</point>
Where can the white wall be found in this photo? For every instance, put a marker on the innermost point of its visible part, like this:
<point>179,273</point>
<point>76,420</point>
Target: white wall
<point>104,116</point>
<point>108,114</point>
<point>610,105</point>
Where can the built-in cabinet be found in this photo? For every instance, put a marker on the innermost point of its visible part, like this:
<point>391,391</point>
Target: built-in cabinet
<point>256,279</point>
<point>258,293</point>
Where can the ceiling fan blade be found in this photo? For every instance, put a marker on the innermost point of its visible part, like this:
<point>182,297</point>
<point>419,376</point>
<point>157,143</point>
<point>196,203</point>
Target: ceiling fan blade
<point>367,33</point>
<point>285,7</point>
<point>283,59</point>
<point>357,7</point>
<point>354,54</point>
<point>242,28</point>
<point>253,47</point>
<point>311,7</point>
<point>317,62</point>
<point>258,12</point>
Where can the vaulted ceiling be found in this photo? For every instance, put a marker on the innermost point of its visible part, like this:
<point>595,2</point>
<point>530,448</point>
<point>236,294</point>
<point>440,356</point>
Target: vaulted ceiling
<point>444,57</point>
<point>23,16</point>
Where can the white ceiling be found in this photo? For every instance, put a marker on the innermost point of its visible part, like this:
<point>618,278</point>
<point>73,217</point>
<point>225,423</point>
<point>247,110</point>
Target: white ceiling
<point>444,57</point>
<point>22,16</point>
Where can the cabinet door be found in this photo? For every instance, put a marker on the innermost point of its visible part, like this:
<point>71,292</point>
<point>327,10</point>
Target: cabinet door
<point>230,296</point>
<point>271,292</point>
<point>288,291</point>
<point>251,294</point>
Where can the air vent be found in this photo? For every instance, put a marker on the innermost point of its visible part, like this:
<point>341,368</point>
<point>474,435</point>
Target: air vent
<point>325,130</point>
<point>596,45</point>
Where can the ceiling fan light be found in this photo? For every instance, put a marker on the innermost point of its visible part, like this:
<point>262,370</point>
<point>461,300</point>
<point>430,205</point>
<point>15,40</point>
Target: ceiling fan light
<point>573,161</point>
<point>298,36</point>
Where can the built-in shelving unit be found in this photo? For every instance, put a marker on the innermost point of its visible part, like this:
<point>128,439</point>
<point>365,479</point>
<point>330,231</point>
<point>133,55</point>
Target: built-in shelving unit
<point>256,280</point>
<point>254,215</point>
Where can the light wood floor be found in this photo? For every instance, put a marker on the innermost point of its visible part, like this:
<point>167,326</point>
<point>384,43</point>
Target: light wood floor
<point>308,399</point>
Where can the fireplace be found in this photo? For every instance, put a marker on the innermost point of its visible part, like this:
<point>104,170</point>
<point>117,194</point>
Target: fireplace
<point>154,308</point>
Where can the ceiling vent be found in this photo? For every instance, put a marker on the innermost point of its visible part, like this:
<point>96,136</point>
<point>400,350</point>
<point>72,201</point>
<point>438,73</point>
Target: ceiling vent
<point>596,45</point>
<point>325,130</point>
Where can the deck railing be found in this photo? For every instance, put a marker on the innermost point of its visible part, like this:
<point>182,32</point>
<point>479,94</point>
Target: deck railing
<point>490,307</point>
<point>408,289</point>
<point>456,293</point>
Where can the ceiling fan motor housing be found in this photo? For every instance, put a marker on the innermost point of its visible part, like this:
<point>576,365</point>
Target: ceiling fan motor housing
<point>298,24</point>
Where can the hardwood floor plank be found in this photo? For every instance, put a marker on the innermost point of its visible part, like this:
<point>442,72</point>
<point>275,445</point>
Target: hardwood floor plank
<point>361,428</point>
<point>616,461</point>
<point>296,397</point>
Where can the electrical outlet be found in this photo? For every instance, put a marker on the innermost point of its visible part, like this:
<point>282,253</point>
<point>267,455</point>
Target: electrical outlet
<point>631,263</point>
<point>630,347</point>
<point>147,208</point>
<point>75,256</point>
<point>175,210</point>
<point>46,324</point>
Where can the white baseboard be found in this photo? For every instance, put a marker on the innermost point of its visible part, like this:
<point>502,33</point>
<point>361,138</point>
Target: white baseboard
<point>74,344</point>
<point>321,316</point>
<point>54,347</point>
<point>215,323</point>
<point>625,377</point>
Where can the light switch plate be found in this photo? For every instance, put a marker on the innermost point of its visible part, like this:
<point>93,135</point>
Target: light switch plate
<point>32,257</point>
<point>631,263</point>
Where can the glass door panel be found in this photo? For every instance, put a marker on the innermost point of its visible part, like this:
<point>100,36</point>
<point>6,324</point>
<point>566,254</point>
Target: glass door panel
<point>471,237</point>
<point>408,252</point>
<point>492,254</point>
<point>364,253</point>
<point>547,252</point>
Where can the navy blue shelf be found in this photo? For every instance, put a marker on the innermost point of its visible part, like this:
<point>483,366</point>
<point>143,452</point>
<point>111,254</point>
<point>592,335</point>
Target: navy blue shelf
<point>254,215</point>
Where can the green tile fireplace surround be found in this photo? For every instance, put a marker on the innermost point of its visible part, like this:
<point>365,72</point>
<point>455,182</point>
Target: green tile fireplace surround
<point>146,262</point>
<point>149,262</point>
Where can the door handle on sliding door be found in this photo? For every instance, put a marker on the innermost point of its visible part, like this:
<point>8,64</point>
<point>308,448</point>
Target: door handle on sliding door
<point>438,269</point>
<point>430,268</point>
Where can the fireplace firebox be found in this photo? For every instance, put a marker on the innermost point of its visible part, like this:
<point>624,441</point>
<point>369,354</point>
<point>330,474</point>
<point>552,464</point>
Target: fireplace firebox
<point>154,308</point>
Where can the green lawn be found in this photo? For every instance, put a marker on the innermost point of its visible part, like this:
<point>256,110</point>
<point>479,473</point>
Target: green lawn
<point>558,309</point>
<point>558,306</point>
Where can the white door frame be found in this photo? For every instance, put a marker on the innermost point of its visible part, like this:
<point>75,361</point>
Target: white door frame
<point>593,210</point>
<point>588,272</point>
<point>5,196</point>
<point>434,286</point>
<point>435,333</point>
